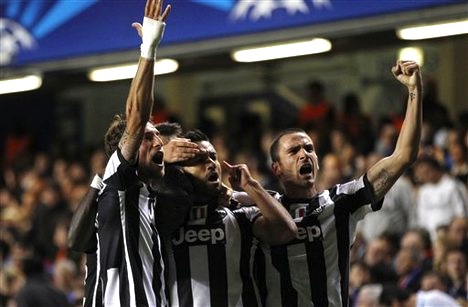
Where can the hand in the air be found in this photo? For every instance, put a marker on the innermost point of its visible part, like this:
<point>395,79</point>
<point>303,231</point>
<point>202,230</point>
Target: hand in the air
<point>408,73</point>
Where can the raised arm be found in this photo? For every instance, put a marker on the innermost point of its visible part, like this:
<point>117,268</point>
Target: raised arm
<point>275,225</point>
<point>385,172</point>
<point>140,97</point>
<point>81,234</point>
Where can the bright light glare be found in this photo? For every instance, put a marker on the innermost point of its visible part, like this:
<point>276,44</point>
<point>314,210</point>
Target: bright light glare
<point>27,83</point>
<point>434,30</point>
<point>411,54</point>
<point>163,66</point>
<point>316,45</point>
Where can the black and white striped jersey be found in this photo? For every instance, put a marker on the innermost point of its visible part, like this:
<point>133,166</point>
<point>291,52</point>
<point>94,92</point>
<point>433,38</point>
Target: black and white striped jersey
<point>130,263</point>
<point>209,259</point>
<point>91,298</point>
<point>313,269</point>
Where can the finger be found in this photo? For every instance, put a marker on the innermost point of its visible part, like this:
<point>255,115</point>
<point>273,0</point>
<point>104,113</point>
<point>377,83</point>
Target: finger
<point>166,12</point>
<point>138,27</point>
<point>227,165</point>
<point>152,9</point>
<point>147,8</point>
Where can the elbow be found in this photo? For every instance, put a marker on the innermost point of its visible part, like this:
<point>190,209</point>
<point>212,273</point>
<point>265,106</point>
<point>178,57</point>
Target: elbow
<point>408,158</point>
<point>287,234</point>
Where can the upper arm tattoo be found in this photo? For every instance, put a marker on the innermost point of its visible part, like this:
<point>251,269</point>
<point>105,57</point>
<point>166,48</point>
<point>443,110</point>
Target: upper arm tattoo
<point>382,182</point>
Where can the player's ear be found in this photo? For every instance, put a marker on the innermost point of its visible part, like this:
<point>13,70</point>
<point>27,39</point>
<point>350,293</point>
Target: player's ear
<point>276,168</point>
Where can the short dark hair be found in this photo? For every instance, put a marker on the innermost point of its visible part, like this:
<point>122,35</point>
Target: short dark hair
<point>196,135</point>
<point>275,143</point>
<point>168,129</point>
<point>114,133</point>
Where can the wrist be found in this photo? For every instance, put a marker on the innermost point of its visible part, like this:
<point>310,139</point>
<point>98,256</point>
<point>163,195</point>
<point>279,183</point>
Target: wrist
<point>251,185</point>
<point>152,34</point>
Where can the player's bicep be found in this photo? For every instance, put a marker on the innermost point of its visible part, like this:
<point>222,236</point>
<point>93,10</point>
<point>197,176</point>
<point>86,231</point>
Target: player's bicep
<point>382,176</point>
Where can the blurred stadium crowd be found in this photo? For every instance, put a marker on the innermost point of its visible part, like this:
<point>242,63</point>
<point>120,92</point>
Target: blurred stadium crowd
<point>418,241</point>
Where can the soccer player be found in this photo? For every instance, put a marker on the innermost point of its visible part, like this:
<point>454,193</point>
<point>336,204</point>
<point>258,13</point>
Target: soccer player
<point>130,265</point>
<point>209,256</point>
<point>173,201</point>
<point>313,268</point>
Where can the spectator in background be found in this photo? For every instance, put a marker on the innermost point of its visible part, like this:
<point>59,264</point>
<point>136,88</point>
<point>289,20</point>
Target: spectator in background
<point>369,296</point>
<point>38,290</point>
<point>318,110</point>
<point>332,172</point>
<point>458,160</point>
<point>456,271</point>
<point>409,267</point>
<point>50,210</point>
<point>386,138</point>
<point>379,256</point>
<point>433,280</point>
<point>359,275</point>
<point>457,233</point>
<point>440,198</point>
<point>420,240</point>
<point>356,124</point>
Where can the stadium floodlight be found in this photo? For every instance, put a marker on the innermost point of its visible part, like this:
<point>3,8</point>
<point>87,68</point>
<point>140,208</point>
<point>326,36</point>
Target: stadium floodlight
<point>121,72</point>
<point>20,84</point>
<point>433,30</point>
<point>279,51</point>
<point>412,54</point>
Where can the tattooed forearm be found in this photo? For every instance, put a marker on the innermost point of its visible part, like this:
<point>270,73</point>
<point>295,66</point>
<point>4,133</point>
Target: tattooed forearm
<point>123,139</point>
<point>412,96</point>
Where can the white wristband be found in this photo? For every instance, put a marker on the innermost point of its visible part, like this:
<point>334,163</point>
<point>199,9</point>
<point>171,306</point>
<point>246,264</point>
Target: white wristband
<point>97,183</point>
<point>153,31</point>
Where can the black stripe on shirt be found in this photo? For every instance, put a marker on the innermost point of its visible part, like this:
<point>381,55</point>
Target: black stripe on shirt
<point>245,227</point>
<point>132,223</point>
<point>259,273</point>
<point>316,265</point>
<point>342,240</point>
<point>183,277</point>
<point>217,274</point>
<point>279,259</point>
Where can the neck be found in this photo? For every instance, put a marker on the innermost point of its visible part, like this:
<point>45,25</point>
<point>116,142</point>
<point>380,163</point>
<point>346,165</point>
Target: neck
<point>300,192</point>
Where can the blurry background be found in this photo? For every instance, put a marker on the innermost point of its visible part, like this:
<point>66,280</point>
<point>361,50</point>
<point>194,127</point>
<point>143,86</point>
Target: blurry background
<point>337,85</point>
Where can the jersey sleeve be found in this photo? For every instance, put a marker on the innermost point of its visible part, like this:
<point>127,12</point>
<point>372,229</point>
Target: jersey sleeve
<point>119,173</point>
<point>250,213</point>
<point>356,196</point>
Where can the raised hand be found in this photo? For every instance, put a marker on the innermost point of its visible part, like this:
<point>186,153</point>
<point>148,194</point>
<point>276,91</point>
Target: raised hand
<point>239,175</point>
<point>408,73</point>
<point>180,150</point>
<point>153,26</point>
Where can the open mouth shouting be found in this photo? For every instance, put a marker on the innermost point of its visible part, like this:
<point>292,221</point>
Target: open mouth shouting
<point>158,157</point>
<point>306,169</point>
<point>213,177</point>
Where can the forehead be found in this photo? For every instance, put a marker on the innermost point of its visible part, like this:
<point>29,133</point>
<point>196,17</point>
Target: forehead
<point>294,139</point>
<point>151,128</point>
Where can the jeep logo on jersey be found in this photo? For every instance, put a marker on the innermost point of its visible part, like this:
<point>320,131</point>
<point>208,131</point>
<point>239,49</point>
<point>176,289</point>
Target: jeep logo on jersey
<point>200,235</point>
<point>308,233</point>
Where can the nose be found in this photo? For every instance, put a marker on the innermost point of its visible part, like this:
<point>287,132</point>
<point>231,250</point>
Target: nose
<point>303,153</point>
<point>157,142</point>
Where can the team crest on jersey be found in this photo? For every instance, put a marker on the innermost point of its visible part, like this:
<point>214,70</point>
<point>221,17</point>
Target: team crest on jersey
<point>200,235</point>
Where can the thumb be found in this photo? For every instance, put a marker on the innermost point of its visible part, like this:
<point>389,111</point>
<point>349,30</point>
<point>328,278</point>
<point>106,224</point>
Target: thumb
<point>138,27</point>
